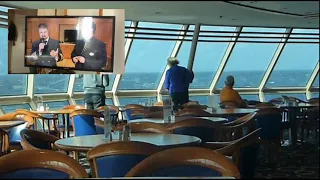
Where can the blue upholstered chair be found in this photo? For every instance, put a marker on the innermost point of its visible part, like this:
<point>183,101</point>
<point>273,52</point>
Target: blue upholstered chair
<point>201,128</point>
<point>33,139</point>
<point>185,162</point>
<point>117,158</point>
<point>40,164</point>
<point>134,111</point>
<point>270,122</point>
<point>244,152</point>
<point>83,121</point>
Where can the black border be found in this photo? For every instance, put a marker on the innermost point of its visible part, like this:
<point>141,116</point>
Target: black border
<point>68,68</point>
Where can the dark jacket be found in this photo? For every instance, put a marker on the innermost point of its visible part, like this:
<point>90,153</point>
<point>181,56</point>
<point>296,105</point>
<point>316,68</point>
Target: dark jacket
<point>95,54</point>
<point>45,59</point>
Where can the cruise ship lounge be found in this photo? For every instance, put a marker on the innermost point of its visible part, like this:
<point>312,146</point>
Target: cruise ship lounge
<point>263,54</point>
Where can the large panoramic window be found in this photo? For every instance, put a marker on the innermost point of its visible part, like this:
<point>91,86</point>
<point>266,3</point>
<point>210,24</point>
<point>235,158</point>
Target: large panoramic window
<point>316,82</point>
<point>78,84</point>
<point>13,107</point>
<point>249,61</point>
<point>296,63</point>
<point>209,55</point>
<point>147,59</point>
<point>57,104</point>
<point>3,51</point>
<point>53,83</point>
<point>13,85</point>
<point>136,100</point>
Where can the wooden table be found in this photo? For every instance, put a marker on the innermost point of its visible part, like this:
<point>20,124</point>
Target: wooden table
<point>10,124</point>
<point>162,121</point>
<point>65,116</point>
<point>85,143</point>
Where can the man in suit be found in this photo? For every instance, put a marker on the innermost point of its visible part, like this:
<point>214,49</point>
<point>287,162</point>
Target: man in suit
<point>46,51</point>
<point>89,53</point>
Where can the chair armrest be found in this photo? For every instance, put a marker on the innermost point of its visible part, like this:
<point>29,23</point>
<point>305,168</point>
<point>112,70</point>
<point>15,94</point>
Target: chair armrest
<point>216,145</point>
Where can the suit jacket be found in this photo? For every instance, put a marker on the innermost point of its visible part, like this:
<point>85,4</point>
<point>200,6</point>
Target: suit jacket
<point>95,54</point>
<point>45,59</point>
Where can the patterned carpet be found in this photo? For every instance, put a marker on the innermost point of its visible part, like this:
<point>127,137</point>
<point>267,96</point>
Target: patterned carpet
<point>299,163</point>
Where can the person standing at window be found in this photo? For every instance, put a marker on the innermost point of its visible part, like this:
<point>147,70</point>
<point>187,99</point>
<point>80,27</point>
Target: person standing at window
<point>177,81</point>
<point>94,89</point>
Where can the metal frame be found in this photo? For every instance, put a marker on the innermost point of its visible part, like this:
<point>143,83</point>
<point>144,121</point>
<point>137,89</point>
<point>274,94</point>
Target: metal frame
<point>116,93</point>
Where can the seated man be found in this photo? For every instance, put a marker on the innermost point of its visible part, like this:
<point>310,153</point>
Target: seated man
<point>228,94</point>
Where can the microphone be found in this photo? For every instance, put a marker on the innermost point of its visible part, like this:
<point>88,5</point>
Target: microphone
<point>42,40</point>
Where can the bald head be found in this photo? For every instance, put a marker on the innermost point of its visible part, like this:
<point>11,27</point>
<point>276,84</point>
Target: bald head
<point>229,81</point>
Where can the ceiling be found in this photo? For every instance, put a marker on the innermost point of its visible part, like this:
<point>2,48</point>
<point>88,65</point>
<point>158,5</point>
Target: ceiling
<point>233,13</point>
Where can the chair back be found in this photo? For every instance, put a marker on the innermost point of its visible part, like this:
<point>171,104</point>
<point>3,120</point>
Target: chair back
<point>38,164</point>
<point>117,158</point>
<point>114,112</point>
<point>269,120</point>
<point>4,143</point>
<point>74,106</point>
<point>314,101</point>
<point>204,129</point>
<point>241,119</point>
<point>229,104</point>
<point>83,121</point>
<point>185,162</point>
<point>135,113</point>
<point>157,114</point>
<point>36,140</point>
<point>148,127</point>
<point>193,112</point>
<point>245,152</point>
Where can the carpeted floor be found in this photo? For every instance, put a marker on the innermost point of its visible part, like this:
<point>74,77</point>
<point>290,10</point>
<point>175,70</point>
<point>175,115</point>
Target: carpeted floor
<point>299,163</point>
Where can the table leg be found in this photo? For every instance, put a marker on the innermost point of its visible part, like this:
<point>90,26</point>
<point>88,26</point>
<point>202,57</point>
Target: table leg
<point>67,125</point>
<point>293,122</point>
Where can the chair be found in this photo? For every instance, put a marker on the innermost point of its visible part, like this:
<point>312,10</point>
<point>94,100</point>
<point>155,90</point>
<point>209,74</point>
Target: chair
<point>276,101</point>
<point>253,102</point>
<point>130,107</point>
<point>61,126</point>
<point>185,162</point>
<point>14,132</point>
<point>114,112</point>
<point>83,121</point>
<point>311,123</point>
<point>270,122</point>
<point>115,159</point>
<point>157,114</point>
<point>193,112</point>
<point>160,104</point>
<point>229,104</point>
<point>241,119</point>
<point>244,152</point>
<point>148,127</point>
<point>36,140</point>
<point>39,164</point>
<point>204,129</point>
<point>4,143</point>
<point>54,131</point>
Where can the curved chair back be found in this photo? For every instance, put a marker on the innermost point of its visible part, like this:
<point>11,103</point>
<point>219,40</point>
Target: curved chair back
<point>204,129</point>
<point>83,121</point>
<point>157,114</point>
<point>35,164</point>
<point>241,119</point>
<point>4,143</point>
<point>277,101</point>
<point>229,104</point>
<point>269,120</point>
<point>117,158</point>
<point>148,127</point>
<point>114,112</point>
<point>244,152</point>
<point>36,140</point>
<point>184,162</point>
<point>74,106</point>
<point>193,112</point>
<point>135,113</point>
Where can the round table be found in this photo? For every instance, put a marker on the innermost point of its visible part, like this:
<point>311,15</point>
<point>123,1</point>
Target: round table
<point>162,121</point>
<point>85,143</point>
